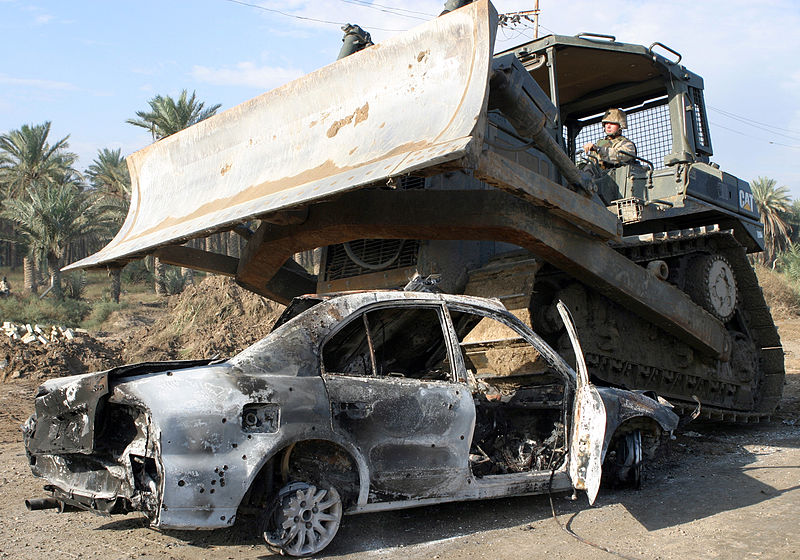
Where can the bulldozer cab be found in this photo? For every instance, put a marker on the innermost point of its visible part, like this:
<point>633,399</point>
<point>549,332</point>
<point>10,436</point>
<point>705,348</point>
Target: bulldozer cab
<point>672,181</point>
<point>588,73</point>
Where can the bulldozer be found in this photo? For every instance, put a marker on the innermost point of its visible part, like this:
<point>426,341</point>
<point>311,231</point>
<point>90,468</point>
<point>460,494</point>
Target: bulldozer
<point>427,155</point>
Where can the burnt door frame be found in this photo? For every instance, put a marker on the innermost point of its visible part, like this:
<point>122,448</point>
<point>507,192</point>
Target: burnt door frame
<point>414,434</point>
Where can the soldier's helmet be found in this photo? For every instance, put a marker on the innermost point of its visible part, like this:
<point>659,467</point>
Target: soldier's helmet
<point>616,116</point>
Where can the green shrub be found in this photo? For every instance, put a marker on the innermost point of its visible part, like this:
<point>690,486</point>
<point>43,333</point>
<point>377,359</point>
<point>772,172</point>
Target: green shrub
<point>789,263</point>
<point>75,284</point>
<point>136,273</point>
<point>68,312</point>
<point>174,280</point>
<point>101,311</point>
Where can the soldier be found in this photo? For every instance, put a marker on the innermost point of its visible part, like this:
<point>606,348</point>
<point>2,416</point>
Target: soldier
<point>609,148</point>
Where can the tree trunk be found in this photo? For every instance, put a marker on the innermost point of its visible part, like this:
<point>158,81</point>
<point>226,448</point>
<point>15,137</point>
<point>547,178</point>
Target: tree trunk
<point>116,283</point>
<point>29,275</point>
<point>12,256</point>
<point>188,276</point>
<point>159,271</point>
<point>39,267</point>
<point>233,245</point>
<point>55,276</point>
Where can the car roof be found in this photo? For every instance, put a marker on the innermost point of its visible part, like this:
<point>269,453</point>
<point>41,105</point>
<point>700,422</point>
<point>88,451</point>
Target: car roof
<point>401,295</point>
<point>356,299</point>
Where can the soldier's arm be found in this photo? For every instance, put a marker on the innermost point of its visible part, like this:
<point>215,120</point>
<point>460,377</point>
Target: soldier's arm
<point>612,153</point>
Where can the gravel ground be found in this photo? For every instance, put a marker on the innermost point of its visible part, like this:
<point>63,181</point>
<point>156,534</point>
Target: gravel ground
<point>717,492</point>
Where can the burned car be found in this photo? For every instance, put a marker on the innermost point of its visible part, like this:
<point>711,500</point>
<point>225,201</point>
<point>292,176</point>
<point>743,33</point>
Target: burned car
<point>354,403</point>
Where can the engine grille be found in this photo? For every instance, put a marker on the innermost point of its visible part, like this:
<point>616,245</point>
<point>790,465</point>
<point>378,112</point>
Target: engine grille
<point>379,254</point>
<point>365,256</point>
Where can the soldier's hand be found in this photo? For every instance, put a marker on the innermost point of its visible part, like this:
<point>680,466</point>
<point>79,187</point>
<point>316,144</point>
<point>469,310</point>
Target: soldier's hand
<point>589,147</point>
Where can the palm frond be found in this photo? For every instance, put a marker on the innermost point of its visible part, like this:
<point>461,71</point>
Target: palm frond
<point>168,116</point>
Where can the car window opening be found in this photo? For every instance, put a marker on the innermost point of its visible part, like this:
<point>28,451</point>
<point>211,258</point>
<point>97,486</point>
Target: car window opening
<point>391,342</point>
<point>520,402</point>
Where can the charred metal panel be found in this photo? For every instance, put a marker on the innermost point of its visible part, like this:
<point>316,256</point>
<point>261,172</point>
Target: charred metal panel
<point>488,487</point>
<point>65,413</point>
<point>622,406</point>
<point>208,458</point>
<point>120,475</point>
<point>415,434</point>
<point>588,429</point>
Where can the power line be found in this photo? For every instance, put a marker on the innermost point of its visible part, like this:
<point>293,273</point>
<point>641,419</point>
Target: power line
<point>757,124</point>
<point>284,13</point>
<point>390,9</point>
<point>295,16</point>
<point>757,138</point>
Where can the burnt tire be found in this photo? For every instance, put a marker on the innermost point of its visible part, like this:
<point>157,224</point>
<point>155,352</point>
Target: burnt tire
<point>303,518</point>
<point>623,465</point>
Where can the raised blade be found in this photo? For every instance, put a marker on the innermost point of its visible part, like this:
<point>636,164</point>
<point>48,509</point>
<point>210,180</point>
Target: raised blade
<point>413,101</point>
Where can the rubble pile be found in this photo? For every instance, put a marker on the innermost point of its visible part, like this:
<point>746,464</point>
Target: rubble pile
<point>38,352</point>
<point>213,318</point>
<point>26,334</point>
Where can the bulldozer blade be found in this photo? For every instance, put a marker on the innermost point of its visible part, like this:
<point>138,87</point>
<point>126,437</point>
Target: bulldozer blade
<point>416,100</point>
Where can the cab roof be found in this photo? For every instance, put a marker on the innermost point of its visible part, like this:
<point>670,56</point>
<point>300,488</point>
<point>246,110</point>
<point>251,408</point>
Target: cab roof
<point>594,72</point>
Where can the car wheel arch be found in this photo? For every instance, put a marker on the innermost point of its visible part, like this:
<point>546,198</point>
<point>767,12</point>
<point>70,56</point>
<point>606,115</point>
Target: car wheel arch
<point>626,452</point>
<point>649,427</point>
<point>275,468</point>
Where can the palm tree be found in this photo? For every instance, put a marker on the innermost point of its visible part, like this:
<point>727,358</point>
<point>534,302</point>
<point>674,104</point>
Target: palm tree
<point>108,175</point>
<point>792,218</point>
<point>26,156</point>
<point>50,217</point>
<point>167,116</point>
<point>772,202</point>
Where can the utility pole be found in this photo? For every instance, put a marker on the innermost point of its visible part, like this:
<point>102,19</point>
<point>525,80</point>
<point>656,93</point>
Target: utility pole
<point>514,18</point>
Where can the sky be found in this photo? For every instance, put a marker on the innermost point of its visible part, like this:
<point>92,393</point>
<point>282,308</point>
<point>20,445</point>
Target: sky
<point>88,65</point>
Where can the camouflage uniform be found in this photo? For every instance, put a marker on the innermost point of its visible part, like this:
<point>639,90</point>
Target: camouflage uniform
<point>609,147</point>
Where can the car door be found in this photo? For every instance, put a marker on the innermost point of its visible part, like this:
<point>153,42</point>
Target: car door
<point>389,376</point>
<point>588,422</point>
<point>491,345</point>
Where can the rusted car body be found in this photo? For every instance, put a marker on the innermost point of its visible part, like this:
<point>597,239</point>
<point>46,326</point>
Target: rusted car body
<point>354,403</point>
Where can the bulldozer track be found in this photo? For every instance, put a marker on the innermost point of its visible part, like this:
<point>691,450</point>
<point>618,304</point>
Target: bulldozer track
<point>721,390</point>
<point>756,313</point>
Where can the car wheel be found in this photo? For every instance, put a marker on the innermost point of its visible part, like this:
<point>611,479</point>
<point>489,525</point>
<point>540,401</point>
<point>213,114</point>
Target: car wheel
<point>303,519</point>
<point>626,463</point>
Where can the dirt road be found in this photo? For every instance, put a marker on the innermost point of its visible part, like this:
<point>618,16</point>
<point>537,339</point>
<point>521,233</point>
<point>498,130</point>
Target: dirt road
<point>719,492</point>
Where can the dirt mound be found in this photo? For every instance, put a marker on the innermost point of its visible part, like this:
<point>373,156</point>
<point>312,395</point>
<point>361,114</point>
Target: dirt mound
<point>213,318</point>
<point>780,294</point>
<point>57,359</point>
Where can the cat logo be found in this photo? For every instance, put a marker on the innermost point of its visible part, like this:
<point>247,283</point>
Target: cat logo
<point>746,201</point>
